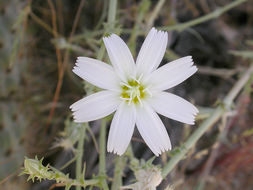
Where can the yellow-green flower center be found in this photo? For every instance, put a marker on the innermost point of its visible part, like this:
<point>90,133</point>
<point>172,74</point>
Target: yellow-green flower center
<point>133,91</point>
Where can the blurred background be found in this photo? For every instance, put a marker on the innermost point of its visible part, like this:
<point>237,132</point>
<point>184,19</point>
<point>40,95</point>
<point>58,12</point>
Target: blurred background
<point>39,43</point>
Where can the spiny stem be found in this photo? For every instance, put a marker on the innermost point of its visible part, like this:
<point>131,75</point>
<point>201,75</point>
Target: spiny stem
<point>79,156</point>
<point>215,116</point>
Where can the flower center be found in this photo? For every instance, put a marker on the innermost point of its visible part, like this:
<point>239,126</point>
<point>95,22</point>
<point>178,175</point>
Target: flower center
<point>134,91</point>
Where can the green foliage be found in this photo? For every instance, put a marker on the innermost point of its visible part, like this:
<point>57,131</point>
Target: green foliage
<point>36,170</point>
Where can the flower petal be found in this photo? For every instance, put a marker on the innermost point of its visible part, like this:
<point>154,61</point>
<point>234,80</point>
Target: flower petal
<point>152,130</point>
<point>174,107</point>
<point>122,128</point>
<point>95,106</point>
<point>120,55</point>
<point>172,74</point>
<point>97,73</point>
<point>152,51</point>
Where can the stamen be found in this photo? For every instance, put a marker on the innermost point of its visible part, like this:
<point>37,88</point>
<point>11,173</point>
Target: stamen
<point>138,96</point>
<point>125,98</point>
<point>132,77</point>
<point>137,81</point>
<point>131,95</point>
<point>133,91</point>
<point>125,84</point>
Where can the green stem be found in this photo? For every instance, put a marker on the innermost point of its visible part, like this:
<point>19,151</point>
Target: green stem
<point>68,163</point>
<point>177,27</point>
<point>214,14</point>
<point>82,183</point>
<point>215,116</point>
<point>142,10</point>
<point>102,138</point>
<point>103,15</point>
<point>154,14</point>
<point>102,142</point>
<point>101,53</point>
<point>79,157</point>
<point>111,22</point>
<point>112,14</point>
<point>223,128</point>
<point>118,172</point>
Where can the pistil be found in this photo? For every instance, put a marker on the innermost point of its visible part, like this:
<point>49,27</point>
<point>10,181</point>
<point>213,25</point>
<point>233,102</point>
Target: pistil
<point>134,91</point>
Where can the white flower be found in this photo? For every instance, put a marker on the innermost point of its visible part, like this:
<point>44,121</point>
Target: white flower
<point>135,91</point>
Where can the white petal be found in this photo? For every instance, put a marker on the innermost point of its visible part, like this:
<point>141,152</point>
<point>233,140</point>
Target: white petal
<point>122,128</point>
<point>152,130</point>
<point>152,51</point>
<point>97,73</point>
<point>174,107</point>
<point>120,55</point>
<point>172,74</point>
<point>95,106</point>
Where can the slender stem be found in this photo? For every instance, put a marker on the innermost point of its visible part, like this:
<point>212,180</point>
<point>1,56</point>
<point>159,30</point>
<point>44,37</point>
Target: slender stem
<point>238,86</point>
<point>142,10</point>
<point>214,14</point>
<point>154,14</point>
<point>102,138</point>
<point>111,22</point>
<point>177,27</point>
<point>101,53</point>
<point>112,14</point>
<point>223,128</point>
<point>103,15</point>
<point>102,142</point>
<point>102,147</point>
<point>181,26</point>
<point>39,21</point>
<point>79,156</point>
<point>215,116</point>
<point>118,172</point>
<point>68,163</point>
